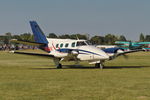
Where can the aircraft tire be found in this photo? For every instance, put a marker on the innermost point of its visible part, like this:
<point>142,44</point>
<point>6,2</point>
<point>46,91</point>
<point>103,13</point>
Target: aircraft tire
<point>59,66</point>
<point>97,65</point>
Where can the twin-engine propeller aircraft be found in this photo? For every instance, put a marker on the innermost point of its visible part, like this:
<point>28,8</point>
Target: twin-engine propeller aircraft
<point>70,50</point>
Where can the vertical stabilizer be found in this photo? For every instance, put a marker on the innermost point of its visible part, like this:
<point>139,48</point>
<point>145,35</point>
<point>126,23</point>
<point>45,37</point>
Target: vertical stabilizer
<point>39,36</point>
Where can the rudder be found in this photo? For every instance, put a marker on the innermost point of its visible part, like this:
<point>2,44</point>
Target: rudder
<point>39,36</point>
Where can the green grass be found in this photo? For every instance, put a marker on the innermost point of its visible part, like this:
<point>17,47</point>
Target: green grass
<point>33,78</point>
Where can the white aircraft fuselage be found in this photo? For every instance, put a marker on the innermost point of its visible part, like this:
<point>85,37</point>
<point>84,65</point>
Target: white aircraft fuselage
<point>61,48</point>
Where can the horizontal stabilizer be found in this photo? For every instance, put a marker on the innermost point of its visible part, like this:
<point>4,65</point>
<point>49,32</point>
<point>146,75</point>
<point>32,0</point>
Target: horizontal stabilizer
<point>27,42</point>
<point>34,54</point>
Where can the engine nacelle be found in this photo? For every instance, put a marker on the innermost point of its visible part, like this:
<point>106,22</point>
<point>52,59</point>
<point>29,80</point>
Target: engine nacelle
<point>120,51</point>
<point>74,52</point>
<point>59,54</point>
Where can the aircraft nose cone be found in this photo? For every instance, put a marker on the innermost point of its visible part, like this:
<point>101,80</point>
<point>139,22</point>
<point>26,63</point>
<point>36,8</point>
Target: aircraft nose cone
<point>105,56</point>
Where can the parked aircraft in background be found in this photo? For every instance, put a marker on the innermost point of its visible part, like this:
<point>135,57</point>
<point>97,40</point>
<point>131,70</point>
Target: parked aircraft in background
<point>133,45</point>
<point>106,46</point>
<point>70,50</point>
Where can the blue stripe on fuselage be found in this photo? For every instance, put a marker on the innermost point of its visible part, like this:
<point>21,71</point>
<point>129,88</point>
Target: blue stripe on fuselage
<point>78,50</point>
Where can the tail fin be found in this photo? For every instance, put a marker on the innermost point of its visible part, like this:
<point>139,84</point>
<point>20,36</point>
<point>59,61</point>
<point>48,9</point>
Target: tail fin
<point>39,36</point>
<point>130,45</point>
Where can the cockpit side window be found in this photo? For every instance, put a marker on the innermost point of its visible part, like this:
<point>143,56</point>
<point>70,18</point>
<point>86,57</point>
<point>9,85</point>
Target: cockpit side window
<point>81,43</point>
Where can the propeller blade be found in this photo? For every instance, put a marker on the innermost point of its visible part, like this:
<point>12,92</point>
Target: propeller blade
<point>125,56</point>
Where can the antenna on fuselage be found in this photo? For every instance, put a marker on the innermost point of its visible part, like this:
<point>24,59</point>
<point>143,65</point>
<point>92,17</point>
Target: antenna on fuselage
<point>77,37</point>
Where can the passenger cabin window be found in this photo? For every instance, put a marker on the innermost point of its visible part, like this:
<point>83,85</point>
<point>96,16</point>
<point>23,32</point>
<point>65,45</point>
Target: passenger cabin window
<point>81,43</point>
<point>66,45</point>
<point>61,45</point>
<point>57,45</point>
<point>73,44</point>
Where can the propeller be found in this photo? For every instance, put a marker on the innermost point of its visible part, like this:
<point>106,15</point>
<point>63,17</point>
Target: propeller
<point>125,56</point>
<point>119,53</point>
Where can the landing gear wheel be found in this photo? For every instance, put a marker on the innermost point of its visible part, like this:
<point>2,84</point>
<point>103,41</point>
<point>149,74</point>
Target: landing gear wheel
<point>99,65</point>
<point>59,66</point>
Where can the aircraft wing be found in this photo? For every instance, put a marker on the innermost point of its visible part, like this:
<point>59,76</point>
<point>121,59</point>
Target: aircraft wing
<point>130,51</point>
<point>143,43</point>
<point>34,54</point>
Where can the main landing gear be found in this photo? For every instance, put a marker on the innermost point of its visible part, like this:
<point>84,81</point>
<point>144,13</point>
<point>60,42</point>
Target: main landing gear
<point>99,65</point>
<point>57,63</point>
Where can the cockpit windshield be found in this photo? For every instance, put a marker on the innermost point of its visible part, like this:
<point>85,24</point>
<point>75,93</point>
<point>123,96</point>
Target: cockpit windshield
<point>81,43</point>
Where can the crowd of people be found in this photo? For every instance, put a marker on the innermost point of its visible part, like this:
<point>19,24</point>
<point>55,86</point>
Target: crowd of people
<point>5,47</point>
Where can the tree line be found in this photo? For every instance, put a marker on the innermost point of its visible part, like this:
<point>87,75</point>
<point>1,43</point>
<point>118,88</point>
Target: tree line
<point>108,39</point>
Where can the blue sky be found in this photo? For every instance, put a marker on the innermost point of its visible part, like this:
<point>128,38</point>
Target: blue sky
<point>95,17</point>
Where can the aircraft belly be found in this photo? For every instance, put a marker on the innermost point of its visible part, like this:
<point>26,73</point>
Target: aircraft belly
<point>85,56</point>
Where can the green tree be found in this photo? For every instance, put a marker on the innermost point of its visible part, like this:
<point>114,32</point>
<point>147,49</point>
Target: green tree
<point>7,38</point>
<point>8,34</point>
<point>96,40</point>
<point>142,38</point>
<point>52,35</point>
<point>147,38</point>
<point>65,36</point>
<point>110,39</point>
<point>122,38</point>
<point>27,37</point>
<point>16,37</point>
<point>78,36</point>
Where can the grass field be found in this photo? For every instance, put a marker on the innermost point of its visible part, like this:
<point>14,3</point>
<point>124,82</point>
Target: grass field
<point>32,78</point>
